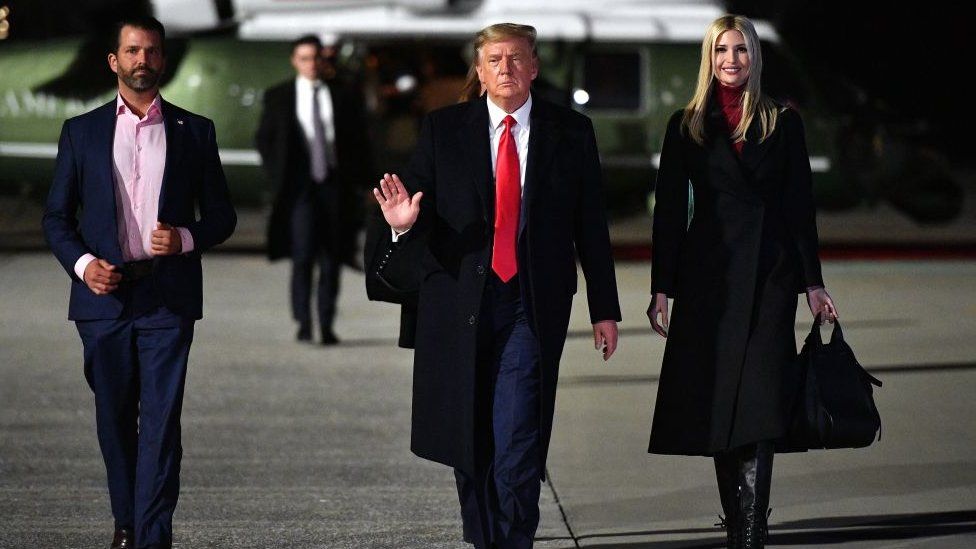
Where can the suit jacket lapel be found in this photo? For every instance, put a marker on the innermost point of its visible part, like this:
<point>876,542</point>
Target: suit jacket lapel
<point>105,170</point>
<point>173,122</point>
<point>477,151</point>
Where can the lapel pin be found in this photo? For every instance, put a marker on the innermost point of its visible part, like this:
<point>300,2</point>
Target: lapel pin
<point>179,121</point>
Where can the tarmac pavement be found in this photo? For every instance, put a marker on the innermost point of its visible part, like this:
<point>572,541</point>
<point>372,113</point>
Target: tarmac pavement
<point>291,445</point>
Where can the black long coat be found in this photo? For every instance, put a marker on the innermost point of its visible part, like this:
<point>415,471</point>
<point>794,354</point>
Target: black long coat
<point>285,155</point>
<point>734,273</point>
<point>563,220</point>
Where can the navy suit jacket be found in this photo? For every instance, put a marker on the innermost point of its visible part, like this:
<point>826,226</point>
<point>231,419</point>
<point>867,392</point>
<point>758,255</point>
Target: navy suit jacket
<point>193,195</point>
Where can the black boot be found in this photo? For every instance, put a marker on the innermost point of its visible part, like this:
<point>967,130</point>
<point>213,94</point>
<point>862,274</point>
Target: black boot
<point>727,475</point>
<point>755,476</point>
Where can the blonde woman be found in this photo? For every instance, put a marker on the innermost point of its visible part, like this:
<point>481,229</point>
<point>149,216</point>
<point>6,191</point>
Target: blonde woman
<point>734,271</point>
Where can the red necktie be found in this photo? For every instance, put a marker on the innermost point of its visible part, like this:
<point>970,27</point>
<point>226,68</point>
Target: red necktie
<point>508,198</point>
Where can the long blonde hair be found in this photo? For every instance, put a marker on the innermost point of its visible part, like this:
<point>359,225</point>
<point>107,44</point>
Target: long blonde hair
<point>754,103</point>
<point>494,33</point>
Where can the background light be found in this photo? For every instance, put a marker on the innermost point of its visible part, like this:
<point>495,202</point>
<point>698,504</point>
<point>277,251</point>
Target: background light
<point>406,83</point>
<point>581,97</point>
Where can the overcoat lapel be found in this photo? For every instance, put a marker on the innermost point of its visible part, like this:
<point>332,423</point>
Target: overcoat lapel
<point>543,140</point>
<point>721,153</point>
<point>720,146</point>
<point>474,139</point>
<point>753,151</point>
<point>291,112</point>
<point>740,169</point>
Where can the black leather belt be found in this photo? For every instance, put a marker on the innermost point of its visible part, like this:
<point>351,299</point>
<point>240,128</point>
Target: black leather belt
<point>135,270</point>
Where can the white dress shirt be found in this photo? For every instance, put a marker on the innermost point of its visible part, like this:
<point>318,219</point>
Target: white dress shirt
<point>520,131</point>
<point>303,107</point>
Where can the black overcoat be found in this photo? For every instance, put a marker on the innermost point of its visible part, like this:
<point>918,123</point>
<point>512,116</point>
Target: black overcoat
<point>563,220</point>
<point>734,272</point>
<point>285,156</point>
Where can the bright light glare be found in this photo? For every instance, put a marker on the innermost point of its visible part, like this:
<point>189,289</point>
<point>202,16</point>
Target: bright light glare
<point>581,97</point>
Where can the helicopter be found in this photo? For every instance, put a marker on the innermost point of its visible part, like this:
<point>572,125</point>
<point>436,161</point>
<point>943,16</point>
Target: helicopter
<point>627,64</point>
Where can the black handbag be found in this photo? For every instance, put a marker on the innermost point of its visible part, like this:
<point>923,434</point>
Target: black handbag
<point>834,402</point>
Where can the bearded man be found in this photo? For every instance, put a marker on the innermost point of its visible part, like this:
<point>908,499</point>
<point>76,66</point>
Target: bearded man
<point>138,194</point>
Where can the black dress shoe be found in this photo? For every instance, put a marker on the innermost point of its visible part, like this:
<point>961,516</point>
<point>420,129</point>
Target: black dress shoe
<point>123,539</point>
<point>329,338</point>
<point>304,333</point>
<point>161,545</point>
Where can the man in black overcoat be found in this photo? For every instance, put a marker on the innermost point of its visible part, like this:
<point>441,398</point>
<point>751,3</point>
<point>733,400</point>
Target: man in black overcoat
<point>313,143</point>
<point>506,191</point>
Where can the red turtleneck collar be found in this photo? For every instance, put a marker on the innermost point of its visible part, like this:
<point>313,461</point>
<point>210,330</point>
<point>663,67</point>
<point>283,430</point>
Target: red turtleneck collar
<point>730,101</point>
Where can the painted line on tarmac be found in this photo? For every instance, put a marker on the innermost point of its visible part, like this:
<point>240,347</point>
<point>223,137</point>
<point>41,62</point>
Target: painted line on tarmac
<point>803,326</point>
<point>647,380</point>
<point>891,251</point>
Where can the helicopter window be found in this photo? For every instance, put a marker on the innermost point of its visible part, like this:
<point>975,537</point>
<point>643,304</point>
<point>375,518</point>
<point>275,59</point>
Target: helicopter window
<point>612,80</point>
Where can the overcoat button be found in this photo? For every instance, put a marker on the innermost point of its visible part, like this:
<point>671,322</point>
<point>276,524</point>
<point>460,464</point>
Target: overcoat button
<point>471,320</point>
<point>481,269</point>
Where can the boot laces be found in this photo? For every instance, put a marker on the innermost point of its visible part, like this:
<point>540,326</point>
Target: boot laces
<point>756,532</point>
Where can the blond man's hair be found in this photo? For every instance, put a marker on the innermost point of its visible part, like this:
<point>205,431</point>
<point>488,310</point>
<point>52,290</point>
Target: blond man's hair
<point>493,33</point>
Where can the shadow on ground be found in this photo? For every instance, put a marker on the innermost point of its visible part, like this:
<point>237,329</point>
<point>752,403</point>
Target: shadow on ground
<point>822,531</point>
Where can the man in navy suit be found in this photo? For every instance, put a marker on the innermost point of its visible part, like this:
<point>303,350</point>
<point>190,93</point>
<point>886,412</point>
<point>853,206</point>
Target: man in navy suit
<point>138,169</point>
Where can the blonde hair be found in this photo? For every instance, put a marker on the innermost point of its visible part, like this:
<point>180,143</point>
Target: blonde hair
<point>754,103</point>
<point>472,85</point>
<point>494,33</point>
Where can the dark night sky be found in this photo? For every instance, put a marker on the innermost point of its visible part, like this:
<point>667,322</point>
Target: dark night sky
<point>907,58</point>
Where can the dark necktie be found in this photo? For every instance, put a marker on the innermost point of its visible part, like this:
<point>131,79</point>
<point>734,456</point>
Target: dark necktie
<point>319,166</point>
<point>508,199</point>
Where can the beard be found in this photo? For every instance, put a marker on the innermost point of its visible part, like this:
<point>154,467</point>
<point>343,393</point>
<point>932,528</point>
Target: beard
<point>140,82</point>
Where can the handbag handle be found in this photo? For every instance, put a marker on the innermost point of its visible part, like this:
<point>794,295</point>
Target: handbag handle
<point>836,335</point>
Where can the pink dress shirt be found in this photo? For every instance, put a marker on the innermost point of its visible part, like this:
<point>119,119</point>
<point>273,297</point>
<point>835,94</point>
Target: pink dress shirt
<point>139,158</point>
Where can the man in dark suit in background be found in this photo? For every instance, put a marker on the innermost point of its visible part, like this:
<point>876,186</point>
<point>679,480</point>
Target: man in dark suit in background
<point>137,168</point>
<point>507,194</point>
<point>314,146</point>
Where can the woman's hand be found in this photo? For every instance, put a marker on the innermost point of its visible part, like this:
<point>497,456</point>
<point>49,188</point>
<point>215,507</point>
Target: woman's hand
<point>399,208</point>
<point>659,306</point>
<point>820,304</point>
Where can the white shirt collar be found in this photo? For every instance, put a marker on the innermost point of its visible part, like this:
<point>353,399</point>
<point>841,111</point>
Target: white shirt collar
<point>521,115</point>
<point>303,82</point>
